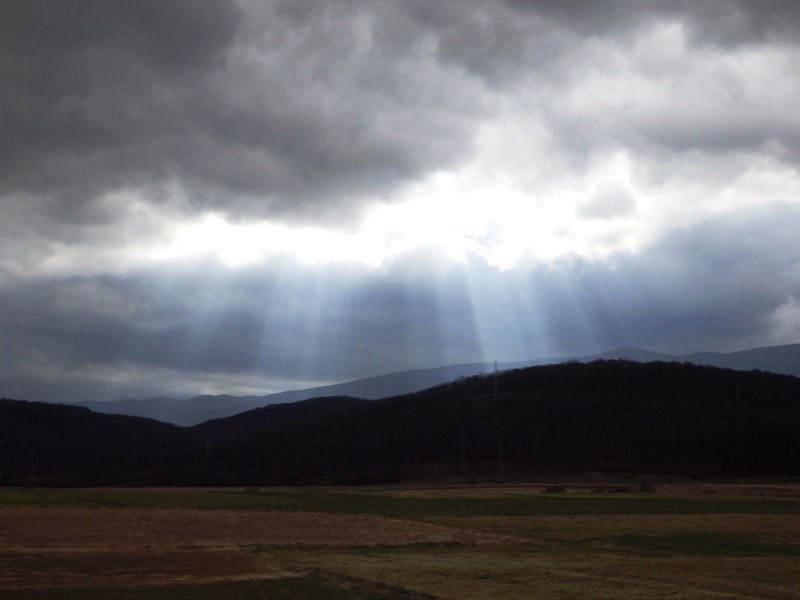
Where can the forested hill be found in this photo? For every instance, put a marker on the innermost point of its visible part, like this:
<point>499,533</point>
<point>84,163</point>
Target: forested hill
<point>605,415</point>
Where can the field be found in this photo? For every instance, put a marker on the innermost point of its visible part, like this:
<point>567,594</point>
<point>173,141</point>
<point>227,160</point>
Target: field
<point>700,541</point>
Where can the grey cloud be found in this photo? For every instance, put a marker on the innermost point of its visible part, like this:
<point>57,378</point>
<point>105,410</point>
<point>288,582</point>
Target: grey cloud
<point>301,110</point>
<point>723,280</point>
<point>560,48</point>
<point>610,199</point>
<point>722,22</point>
<point>83,82</point>
<point>278,113</point>
<point>592,18</point>
<point>489,39</point>
<point>168,34</point>
<point>718,285</point>
<point>743,21</point>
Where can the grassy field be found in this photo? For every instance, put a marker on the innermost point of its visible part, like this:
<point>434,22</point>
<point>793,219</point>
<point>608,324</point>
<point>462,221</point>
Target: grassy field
<point>460,543</point>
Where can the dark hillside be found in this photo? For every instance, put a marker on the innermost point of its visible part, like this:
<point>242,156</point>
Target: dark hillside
<point>277,416</point>
<point>607,415</point>
<point>603,416</point>
<point>73,445</point>
<point>653,416</point>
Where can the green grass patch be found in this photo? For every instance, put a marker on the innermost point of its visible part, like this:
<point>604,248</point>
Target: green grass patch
<point>321,500</point>
<point>316,586</point>
<point>132,498</point>
<point>704,544</point>
<point>518,505</point>
<point>25,497</point>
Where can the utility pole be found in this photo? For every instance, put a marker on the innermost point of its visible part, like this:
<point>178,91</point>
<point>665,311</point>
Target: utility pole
<point>499,417</point>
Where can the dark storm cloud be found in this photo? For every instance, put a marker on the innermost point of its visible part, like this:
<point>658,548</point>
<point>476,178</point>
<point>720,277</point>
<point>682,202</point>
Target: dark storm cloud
<point>724,22</point>
<point>83,77</point>
<point>302,109</point>
<point>255,114</point>
<point>743,21</point>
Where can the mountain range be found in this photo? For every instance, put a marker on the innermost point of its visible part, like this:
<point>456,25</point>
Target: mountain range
<point>775,359</point>
<point>603,417</point>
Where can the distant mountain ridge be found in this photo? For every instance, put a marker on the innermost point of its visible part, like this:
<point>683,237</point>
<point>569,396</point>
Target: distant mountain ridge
<point>203,408</point>
<point>783,359</point>
<point>604,416</point>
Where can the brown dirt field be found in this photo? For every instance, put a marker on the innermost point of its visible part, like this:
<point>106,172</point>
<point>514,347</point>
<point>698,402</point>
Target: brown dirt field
<point>77,547</point>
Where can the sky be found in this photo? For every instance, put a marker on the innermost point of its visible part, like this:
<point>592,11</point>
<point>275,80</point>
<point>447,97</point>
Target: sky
<point>244,197</point>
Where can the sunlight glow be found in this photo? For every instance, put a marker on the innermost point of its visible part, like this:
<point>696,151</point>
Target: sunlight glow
<point>467,215</point>
<point>464,218</point>
<point>240,244</point>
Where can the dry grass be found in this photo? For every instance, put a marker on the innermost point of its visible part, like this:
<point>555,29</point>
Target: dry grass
<point>475,575</point>
<point>472,556</point>
<point>65,547</point>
